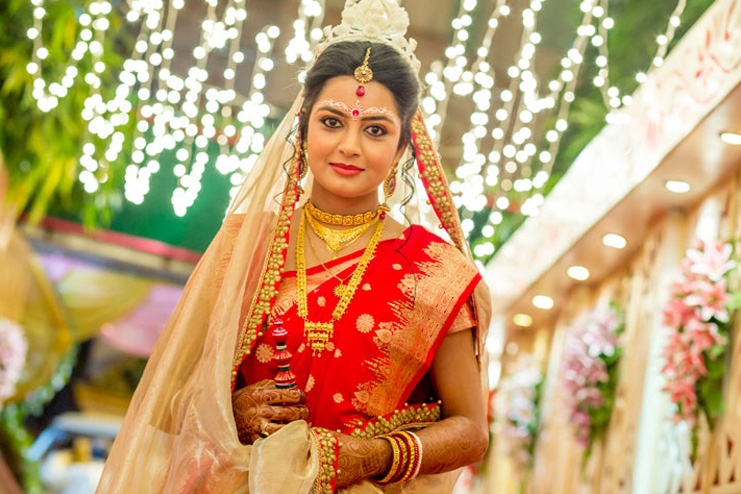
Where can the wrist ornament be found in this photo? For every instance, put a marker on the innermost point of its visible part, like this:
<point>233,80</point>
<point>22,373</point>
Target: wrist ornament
<point>407,457</point>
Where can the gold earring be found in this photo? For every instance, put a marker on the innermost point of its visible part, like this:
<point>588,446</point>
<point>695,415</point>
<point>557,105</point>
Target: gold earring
<point>303,166</point>
<point>389,187</point>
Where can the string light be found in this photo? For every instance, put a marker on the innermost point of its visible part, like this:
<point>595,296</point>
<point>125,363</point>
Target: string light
<point>176,113</point>
<point>507,153</point>
<point>611,95</point>
<point>516,164</point>
<point>94,23</point>
<point>307,32</point>
<point>469,185</point>
<point>452,76</point>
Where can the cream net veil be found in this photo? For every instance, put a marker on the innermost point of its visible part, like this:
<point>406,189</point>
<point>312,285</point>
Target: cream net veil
<point>179,434</point>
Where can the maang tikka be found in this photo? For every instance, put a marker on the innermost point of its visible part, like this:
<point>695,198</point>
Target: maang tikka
<point>363,74</point>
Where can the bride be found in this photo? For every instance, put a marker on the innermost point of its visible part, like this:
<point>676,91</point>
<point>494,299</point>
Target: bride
<point>384,319</point>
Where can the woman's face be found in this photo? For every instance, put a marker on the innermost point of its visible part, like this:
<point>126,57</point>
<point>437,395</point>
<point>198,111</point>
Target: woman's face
<point>353,140</point>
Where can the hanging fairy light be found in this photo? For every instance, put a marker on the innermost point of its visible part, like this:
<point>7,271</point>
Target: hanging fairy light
<point>514,162</point>
<point>307,32</point>
<point>611,94</point>
<point>186,115</point>
<point>520,104</point>
<point>453,76</point>
<point>94,22</point>
<point>469,182</point>
<point>251,117</point>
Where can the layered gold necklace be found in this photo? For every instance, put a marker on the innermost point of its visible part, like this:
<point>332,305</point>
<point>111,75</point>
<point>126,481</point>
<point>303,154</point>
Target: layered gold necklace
<point>339,290</point>
<point>336,240</point>
<point>319,333</point>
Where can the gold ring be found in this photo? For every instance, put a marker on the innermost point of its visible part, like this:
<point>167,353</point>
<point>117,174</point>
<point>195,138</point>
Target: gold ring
<point>263,431</point>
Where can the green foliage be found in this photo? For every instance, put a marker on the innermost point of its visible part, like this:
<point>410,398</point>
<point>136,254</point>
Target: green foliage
<point>534,426</point>
<point>15,441</point>
<point>710,388</point>
<point>42,149</point>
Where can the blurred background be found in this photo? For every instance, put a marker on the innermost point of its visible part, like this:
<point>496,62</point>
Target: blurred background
<point>592,148</point>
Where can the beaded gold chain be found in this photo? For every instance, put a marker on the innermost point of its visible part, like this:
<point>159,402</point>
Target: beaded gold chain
<point>319,333</point>
<point>340,288</point>
<point>337,240</point>
<point>340,219</point>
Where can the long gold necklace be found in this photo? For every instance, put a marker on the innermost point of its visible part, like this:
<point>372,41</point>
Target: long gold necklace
<point>319,333</point>
<point>340,219</point>
<point>339,290</point>
<point>337,240</point>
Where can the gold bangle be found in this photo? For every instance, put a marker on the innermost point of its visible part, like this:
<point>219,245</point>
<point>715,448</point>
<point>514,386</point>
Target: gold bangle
<point>394,463</point>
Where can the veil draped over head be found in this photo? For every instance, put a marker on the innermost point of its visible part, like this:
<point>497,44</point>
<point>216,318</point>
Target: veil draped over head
<point>179,434</point>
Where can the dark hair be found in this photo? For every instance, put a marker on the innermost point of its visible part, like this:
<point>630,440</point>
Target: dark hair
<point>388,68</point>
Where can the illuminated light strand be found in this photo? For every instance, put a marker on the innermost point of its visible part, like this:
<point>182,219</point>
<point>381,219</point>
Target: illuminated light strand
<point>611,95</point>
<point>94,20</point>
<point>140,70</point>
<point>307,32</point>
<point>442,79</point>
<point>254,111</point>
<point>564,93</point>
<point>469,182</point>
<point>560,95</point>
<point>215,34</point>
<point>522,88</point>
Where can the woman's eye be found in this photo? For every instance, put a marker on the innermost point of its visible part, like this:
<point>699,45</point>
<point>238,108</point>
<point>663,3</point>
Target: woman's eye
<point>376,130</point>
<point>331,122</point>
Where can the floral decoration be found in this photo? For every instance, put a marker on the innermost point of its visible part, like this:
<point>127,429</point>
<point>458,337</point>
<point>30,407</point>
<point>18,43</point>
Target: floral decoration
<point>517,410</point>
<point>592,353</point>
<point>13,348</point>
<point>698,315</point>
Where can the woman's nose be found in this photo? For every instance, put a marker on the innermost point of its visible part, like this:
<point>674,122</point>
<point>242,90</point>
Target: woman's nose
<point>350,143</point>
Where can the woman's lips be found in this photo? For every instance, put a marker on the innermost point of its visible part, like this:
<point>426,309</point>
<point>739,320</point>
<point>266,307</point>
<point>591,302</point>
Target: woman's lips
<point>345,170</point>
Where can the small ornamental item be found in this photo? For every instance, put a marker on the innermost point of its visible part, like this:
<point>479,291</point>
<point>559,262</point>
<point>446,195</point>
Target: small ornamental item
<point>363,75</point>
<point>284,379</point>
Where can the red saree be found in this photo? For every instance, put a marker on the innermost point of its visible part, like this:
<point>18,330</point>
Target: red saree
<point>414,291</point>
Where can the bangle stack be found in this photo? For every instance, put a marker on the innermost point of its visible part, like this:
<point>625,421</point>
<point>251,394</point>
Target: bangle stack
<point>407,457</point>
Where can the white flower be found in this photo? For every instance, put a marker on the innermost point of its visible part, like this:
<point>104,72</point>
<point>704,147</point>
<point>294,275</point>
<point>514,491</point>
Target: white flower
<point>13,348</point>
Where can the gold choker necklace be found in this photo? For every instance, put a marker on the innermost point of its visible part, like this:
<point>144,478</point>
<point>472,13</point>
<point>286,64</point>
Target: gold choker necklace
<point>340,219</point>
<point>336,240</point>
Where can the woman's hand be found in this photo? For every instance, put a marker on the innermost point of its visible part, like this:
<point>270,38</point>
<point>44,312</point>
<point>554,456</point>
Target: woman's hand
<point>361,459</point>
<point>260,409</point>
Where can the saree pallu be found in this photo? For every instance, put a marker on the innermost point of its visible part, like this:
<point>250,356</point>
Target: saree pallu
<point>414,290</point>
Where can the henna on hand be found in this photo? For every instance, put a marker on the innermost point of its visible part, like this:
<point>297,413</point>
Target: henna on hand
<point>452,443</point>
<point>361,459</point>
<point>256,406</point>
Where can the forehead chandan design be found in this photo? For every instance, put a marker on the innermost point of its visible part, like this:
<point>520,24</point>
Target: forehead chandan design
<point>357,111</point>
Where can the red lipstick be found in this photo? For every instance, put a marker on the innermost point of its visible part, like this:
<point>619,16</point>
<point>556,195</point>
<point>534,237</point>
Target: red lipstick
<point>345,169</point>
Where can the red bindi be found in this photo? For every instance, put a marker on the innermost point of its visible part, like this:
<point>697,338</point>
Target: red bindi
<point>360,91</point>
<point>355,113</point>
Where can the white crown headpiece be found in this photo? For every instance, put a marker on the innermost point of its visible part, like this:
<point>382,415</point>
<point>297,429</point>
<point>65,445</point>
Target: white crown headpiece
<point>381,21</point>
